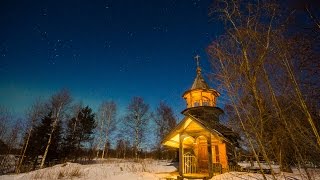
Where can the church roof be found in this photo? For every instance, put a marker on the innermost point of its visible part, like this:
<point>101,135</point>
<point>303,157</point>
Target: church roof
<point>209,118</point>
<point>199,82</point>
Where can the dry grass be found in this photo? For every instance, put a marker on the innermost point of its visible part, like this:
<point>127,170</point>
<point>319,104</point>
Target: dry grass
<point>61,172</point>
<point>69,173</point>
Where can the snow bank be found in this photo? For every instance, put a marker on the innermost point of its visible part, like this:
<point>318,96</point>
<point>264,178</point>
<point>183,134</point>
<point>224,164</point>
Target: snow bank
<point>109,169</point>
<point>254,176</point>
<point>118,169</point>
<point>254,165</point>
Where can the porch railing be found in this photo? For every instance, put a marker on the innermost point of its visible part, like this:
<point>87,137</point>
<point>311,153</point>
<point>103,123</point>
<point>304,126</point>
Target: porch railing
<point>190,163</point>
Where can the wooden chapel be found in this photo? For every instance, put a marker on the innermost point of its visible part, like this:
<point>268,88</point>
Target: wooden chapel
<point>205,145</point>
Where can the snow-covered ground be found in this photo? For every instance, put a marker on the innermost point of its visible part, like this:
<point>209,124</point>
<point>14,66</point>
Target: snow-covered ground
<point>117,169</point>
<point>254,176</point>
<point>109,169</point>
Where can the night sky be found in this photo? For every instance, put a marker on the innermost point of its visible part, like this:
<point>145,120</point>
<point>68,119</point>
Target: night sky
<point>102,50</point>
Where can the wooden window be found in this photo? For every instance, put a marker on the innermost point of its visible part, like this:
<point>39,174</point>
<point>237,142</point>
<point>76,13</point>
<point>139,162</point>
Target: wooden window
<point>205,103</point>
<point>196,103</point>
<point>216,153</point>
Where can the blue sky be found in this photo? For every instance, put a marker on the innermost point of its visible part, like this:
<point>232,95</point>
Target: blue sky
<point>102,50</point>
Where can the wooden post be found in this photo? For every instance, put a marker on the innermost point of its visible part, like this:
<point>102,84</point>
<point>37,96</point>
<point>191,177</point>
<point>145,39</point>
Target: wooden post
<point>191,99</point>
<point>181,155</point>
<point>210,156</point>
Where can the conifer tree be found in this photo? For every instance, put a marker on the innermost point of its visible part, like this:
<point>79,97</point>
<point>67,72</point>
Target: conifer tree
<point>38,139</point>
<point>77,136</point>
<point>58,104</point>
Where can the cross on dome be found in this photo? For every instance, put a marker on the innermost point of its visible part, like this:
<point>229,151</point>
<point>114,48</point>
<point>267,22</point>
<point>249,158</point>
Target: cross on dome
<point>197,58</point>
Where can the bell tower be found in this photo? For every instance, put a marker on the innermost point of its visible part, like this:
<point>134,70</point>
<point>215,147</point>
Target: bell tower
<point>200,93</point>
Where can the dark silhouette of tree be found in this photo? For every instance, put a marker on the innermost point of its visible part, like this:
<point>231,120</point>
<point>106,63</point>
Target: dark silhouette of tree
<point>38,139</point>
<point>36,112</point>
<point>3,147</point>
<point>57,105</point>
<point>4,119</point>
<point>165,121</point>
<point>78,135</point>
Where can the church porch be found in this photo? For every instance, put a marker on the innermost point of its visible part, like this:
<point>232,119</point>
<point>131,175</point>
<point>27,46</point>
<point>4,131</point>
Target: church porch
<point>195,160</point>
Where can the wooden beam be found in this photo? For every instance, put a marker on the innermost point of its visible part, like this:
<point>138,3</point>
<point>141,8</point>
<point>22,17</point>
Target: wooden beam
<point>180,155</point>
<point>175,142</point>
<point>210,157</point>
<point>196,134</point>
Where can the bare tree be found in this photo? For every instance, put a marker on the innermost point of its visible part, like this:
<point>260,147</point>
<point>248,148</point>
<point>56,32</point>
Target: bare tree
<point>14,135</point>
<point>254,60</point>
<point>76,109</point>
<point>136,120</point>
<point>4,119</point>
<point>9,139</point>
<point>106,124</point>
<point>57,105</point>
<point>122,148</point>
<point>34,114</point>
<point>165,121</point>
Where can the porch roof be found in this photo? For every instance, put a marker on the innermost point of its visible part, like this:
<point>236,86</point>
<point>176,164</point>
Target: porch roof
<point>206,117</point>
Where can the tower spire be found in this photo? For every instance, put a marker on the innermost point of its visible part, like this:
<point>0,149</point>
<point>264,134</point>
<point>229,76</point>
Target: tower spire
<point>197,58</point>
<point>200,93</point>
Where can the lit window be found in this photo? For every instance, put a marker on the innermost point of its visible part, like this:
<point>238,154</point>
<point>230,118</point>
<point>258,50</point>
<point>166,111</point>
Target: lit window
<point>196,104</point>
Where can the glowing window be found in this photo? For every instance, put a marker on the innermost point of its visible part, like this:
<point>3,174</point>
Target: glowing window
<point>196,104</point>
<point>205,103</point>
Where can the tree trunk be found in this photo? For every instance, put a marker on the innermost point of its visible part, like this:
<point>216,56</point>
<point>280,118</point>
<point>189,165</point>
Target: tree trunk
<point>280,115</point>
<point>136,144</point>
<point>100,138</point>
<point>301,100</point>
<point>106,142</point>
<point>104,148</point>
<point>48,145</point>
<point>24,152</point>
<point>233,100</point>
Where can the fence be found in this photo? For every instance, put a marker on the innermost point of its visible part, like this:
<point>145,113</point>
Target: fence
<point>190,163</point>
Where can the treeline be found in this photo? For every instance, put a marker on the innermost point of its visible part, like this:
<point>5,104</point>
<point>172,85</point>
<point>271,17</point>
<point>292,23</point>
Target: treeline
<point>57,130</point>
<point>267,63</point>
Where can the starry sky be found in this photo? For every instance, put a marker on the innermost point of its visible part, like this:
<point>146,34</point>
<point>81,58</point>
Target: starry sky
<point>102,50</point>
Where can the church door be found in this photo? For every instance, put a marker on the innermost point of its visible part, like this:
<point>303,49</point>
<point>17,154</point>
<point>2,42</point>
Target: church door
<point>203,158</point>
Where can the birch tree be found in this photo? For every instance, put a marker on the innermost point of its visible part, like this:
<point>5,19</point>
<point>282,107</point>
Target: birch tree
<point>253,60</point>
<point>165,121</point>
<point>34,114</point>
<point>122,147</point>
<point>57,105</point>
<point>107,124</point>
<point>136,120</point>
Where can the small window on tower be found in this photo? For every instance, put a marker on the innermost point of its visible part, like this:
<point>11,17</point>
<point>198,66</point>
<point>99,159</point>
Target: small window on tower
<point>205,103</point>
<point>196,104</point>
